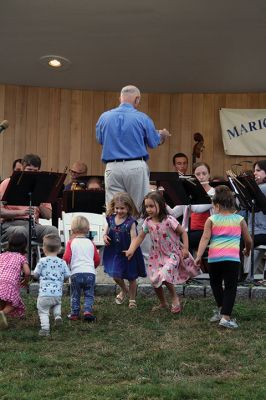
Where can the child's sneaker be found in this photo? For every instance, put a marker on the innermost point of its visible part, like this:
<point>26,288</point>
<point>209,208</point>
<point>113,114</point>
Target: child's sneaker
<point>230,324</point>
<point>73,317</point>
<point>216,316</point>
<point>3,320</point>
<point>44,332</point>
<point>58,321</point>
<point>88,316</point>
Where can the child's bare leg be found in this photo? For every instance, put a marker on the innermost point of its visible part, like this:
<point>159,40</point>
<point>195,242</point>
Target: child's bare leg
<point>2,304</point>
<point>124,290</point>
<point>132,290</point>
<point>122,285</point>
<point>172,291</point>
<point>3,321</point>
<point>160,294</point>
<point>8,308</point>
<point>227,317</point>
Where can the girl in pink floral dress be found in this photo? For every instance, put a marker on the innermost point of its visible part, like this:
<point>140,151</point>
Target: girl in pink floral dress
<point>169,260</point>
<point>12,263</point>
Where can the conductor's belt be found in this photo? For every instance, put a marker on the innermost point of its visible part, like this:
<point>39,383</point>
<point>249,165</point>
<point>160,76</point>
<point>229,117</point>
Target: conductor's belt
<point>128,159</point>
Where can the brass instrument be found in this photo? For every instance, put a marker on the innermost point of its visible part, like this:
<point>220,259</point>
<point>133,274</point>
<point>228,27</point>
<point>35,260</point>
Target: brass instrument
<point>78,186</point>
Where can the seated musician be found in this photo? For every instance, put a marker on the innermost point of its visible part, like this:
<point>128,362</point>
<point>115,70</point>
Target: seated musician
<point>180,163</point>
<point>200,213</point>
<point>260,219</point>
<point>17,165</point>
<point>95,183</point>
<point>14,217</point>
<point>77,170</point>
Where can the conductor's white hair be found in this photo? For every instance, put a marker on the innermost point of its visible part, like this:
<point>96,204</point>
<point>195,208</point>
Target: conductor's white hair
<point>130,90</point>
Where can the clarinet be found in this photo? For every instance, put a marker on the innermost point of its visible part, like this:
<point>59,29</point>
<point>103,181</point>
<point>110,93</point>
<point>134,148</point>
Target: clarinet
<point>33,226</point>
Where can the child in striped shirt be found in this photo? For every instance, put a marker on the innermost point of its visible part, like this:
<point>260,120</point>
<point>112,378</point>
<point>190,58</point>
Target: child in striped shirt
<point>223,230</point>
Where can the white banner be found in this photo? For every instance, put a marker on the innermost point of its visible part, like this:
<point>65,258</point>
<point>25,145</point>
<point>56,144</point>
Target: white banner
<point>243,131</point>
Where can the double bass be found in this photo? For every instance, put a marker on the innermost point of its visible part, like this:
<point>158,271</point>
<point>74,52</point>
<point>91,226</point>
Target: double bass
<point>198,146</point>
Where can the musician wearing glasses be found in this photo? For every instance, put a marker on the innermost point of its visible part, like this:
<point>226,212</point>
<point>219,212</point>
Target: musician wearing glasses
<point>15,216</point>
<point>76,172</point>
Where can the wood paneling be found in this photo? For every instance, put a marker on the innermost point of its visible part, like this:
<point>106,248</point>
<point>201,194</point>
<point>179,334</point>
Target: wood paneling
<point>9,134</point>
<point>87,137</point>
<point>59,125</point>
<point>64,129</point>
<point>175,129</point>
<point>2,114</point>
<point>20,122</point>
<point>97,167</point>
<point>53,130</point>
<point>31,119</point>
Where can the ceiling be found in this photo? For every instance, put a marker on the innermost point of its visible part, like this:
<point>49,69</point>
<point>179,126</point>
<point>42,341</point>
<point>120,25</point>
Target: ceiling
<point>158,45</point>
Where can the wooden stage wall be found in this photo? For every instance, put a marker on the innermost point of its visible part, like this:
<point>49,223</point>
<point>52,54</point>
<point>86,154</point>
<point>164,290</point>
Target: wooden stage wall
<point>59,125</point>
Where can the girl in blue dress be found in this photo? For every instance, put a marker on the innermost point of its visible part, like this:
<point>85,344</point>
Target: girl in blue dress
<point>121,228</point>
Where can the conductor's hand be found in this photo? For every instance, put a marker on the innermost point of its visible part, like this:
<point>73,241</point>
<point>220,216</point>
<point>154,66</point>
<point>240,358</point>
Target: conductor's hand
<point>106,239</point>
<point>164,134</point>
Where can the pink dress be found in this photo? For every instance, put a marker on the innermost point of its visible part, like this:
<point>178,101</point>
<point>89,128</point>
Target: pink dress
<point>10,269</point>
<point>166,263</point>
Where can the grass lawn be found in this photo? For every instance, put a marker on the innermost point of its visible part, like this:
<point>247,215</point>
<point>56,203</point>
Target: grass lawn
<point>134,354</point>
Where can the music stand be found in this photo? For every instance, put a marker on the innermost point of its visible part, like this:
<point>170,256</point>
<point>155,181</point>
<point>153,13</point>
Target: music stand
<point>29,188</point>
<point>252,199</point>
<point>92,201</point>
<point>214,184</point>
<point>180,189</point>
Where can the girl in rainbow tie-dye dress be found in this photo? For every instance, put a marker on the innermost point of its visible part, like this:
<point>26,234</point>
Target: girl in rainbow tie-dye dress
<point>223,230</point>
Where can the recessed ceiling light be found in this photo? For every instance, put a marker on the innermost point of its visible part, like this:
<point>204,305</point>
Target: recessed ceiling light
<point>57,63</point>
